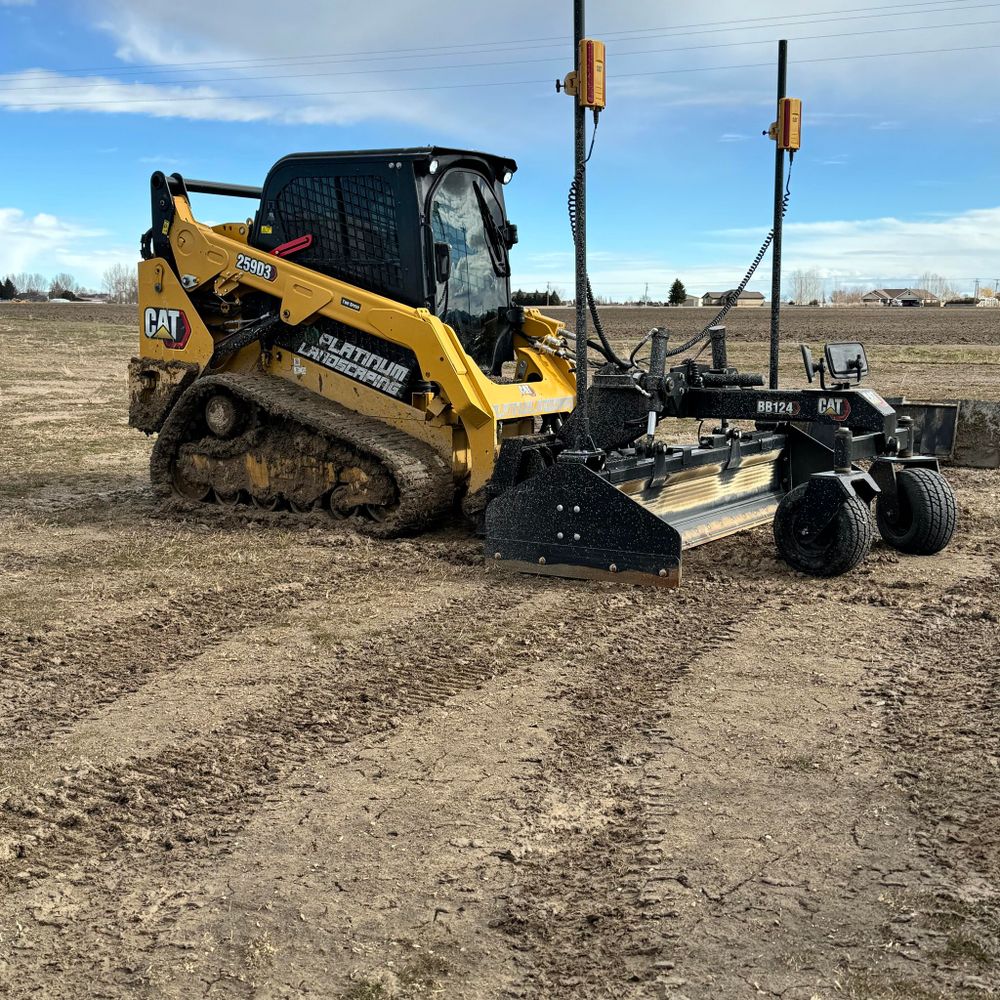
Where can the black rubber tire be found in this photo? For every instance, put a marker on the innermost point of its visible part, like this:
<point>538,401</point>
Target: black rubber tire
<point>926,516</point>
<point>838,548</point>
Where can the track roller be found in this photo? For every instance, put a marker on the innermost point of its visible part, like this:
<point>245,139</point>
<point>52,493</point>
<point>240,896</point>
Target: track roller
<point>223,415</point>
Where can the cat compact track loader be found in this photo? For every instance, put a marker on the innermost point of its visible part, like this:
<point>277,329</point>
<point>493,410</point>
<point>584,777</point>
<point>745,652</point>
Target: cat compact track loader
<point>353,348</point>
<point>344,348</point>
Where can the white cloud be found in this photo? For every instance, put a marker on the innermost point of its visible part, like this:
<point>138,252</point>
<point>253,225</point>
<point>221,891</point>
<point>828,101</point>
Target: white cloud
<point>848,251</point>
<point>48,244</point>
<point>342,71</point>
<point>957,246</point>
<point>355,68</point>
<point>41,91</point>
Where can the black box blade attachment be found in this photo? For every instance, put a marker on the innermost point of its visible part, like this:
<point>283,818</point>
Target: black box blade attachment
<point>569,521</point>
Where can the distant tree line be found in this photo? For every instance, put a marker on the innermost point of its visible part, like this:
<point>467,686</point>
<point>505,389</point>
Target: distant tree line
<point>24,286</point>
<point>807,288</point>
<point>120,284</point>
<point>545,297</point>
<point>551,297</point>
<point>36,288</point>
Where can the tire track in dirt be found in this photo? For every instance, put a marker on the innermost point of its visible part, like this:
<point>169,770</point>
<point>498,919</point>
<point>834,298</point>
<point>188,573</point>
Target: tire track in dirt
<point>55,676</point>
<point>53,680</point>
<point>734,853</point>
<point>226,679</point>
<point>764,879</point>
<point>376,864</point>
<point>111,829</point>
<point>575,917</point>
<point>293,733</point>
<point>45,497</point>
<point>940,727</point>
<point>190,796</point>
<point>603,913</point>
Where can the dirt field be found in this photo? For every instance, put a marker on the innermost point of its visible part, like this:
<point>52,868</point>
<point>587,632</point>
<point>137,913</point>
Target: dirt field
<point>240,758</point>
<point>921,353</point>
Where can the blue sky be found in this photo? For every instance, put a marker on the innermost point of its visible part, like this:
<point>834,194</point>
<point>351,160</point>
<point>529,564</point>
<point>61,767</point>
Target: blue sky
<point>898,175</point>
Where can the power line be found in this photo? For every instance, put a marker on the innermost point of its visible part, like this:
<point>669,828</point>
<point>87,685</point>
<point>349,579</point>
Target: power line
<point>510,62</point>
<point>894,10</point>
<point>817,59</point>
<point>944,4</point>
<point>20,105</point>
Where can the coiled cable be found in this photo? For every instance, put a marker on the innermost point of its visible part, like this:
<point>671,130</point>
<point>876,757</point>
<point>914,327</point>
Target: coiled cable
<point>733,297</point>
<point>607,350</point>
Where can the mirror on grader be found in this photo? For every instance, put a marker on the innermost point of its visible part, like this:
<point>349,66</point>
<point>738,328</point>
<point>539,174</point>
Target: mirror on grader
<point>846,361</point>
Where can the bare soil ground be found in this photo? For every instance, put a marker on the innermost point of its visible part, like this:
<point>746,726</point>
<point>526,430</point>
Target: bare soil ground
<point>934,353</point>
<point>245,758</point>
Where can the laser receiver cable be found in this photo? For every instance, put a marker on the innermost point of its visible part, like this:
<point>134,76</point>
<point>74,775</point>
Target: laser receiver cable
<point>606,349</point>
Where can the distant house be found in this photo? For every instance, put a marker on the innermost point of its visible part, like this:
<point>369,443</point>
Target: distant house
<point>720,298</point>
<point>692,301</point>
<point>899,297</point>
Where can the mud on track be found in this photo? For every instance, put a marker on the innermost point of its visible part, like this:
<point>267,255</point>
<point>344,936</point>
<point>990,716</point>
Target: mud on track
<point>240,758</point>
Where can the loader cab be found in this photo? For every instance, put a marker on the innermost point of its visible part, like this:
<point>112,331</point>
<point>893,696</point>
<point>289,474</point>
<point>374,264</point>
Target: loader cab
<point>426,227</point>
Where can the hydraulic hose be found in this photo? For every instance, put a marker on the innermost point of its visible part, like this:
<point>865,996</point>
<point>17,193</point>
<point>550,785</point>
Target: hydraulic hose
<point>731,299</point>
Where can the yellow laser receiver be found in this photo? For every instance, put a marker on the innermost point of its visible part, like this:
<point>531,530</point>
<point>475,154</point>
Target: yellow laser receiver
<point>587,84</point>
<point>787,130</point>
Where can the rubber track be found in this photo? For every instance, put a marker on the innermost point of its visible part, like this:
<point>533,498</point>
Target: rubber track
<point>423,478</point>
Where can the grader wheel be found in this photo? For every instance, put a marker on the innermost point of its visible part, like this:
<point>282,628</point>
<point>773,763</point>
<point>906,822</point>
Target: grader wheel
<point>923,518</point>
<point>839,547</point>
